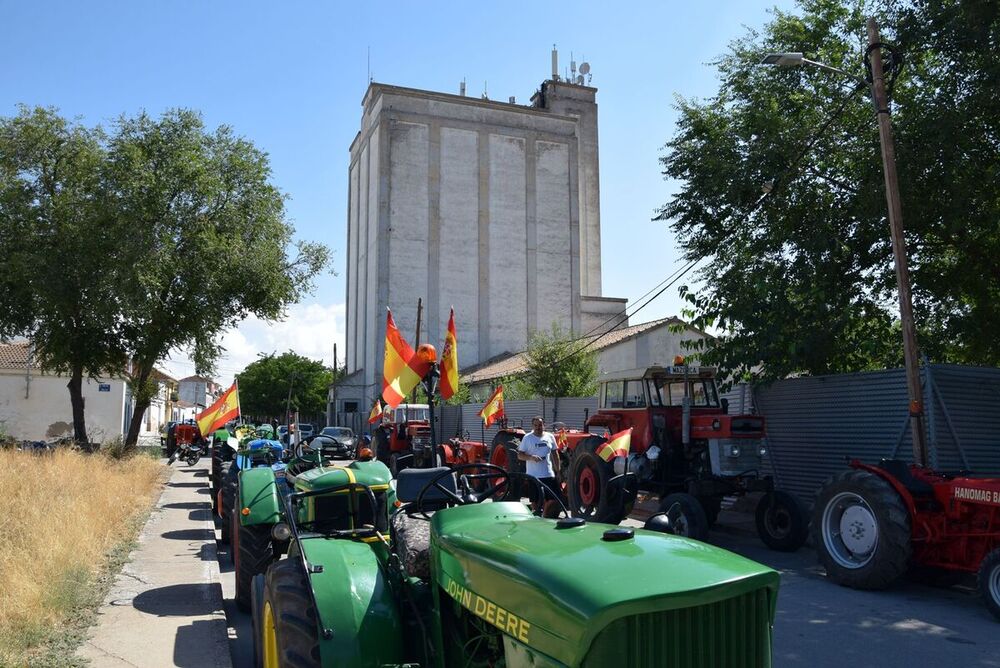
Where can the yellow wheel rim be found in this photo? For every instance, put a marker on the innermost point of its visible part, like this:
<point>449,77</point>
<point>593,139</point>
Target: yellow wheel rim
<point>270,640</point>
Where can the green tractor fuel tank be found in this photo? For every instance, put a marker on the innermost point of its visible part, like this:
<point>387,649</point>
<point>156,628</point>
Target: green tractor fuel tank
<point>581,600</point>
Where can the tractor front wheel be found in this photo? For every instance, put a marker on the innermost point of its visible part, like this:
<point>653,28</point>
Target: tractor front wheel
<point>252,554</point>
<point>861,531</point>
<point>588,486</point>
<point>503,453</point>
<point>686,515</point>
<point>989,582</point>
<point>782,522</point>
<point>289,636</point>
<point>256,619</point>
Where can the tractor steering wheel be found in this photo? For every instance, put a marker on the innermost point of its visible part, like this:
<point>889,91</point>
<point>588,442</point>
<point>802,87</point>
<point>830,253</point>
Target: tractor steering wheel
<point>544,489</point>
<point>465,495</point>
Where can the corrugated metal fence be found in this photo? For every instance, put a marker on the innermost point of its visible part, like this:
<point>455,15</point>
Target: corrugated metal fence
<point>814,424</point>
<point>570,410</point>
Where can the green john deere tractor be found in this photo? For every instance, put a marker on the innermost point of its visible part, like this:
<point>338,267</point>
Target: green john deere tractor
<point>426,571</point>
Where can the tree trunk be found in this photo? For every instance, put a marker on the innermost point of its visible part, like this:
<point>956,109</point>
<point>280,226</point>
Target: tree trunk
<point>142,401</point>
<point>135,424</point>
<point>75,386</point>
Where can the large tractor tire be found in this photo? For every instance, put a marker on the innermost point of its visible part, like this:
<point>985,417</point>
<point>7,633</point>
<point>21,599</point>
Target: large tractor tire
<point>503,453</point>
<point>686,515</point>
<point>712,505</point>
<point>782,521</point>
<point>380,443</point>
<point>988,580</point>
<point>227,499</point>
<point>861,530</point>
<point>256,621</point>
<point>588,487</point>
<point>289,636</point>
<point>252,554</point>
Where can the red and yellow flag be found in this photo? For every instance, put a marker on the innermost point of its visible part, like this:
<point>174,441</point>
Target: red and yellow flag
<point>616,446</point>
<point>401,369</point>
<point>562,440</point>
<point>376,413</point>
<point>493,410</point>
<point>449,361</point>
<point>225,408</point>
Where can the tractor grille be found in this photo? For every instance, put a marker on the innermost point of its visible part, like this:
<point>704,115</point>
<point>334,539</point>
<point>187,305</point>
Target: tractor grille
<point>749,459</point>
<point>734,633</point>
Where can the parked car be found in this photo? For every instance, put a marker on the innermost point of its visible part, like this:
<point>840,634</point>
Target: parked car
<point>306,430</point>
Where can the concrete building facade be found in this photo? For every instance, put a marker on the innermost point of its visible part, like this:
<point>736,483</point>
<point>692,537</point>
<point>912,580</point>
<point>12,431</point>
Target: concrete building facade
<point>492,208</point>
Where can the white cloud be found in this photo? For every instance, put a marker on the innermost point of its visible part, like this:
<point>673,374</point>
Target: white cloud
<point>309,330</point>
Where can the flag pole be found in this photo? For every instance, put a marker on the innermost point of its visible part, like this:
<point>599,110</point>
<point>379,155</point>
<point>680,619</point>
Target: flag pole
<point>239,408</point>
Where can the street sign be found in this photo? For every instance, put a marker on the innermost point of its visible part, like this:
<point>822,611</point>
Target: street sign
<point>104,387</point>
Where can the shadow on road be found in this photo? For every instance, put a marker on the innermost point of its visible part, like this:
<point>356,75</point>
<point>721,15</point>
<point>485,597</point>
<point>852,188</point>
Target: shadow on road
<point>189,643</point>
<point>189,534</point>
<point>188,484</point>
<point>185,505</point>
<point>179,600</point>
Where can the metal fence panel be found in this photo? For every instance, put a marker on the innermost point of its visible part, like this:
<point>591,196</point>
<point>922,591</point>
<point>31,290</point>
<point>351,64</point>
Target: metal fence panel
<point>815,424</point>
<point>450,421</point>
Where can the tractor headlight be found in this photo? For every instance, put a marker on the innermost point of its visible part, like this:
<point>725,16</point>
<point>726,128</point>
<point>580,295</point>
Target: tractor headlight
<point>281,532</point>
<point>762,450</point>
<point>734,450</point>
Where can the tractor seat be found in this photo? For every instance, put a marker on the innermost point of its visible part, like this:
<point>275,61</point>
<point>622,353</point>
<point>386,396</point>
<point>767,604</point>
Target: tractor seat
<point>900,470</point>
<point>411,533</point>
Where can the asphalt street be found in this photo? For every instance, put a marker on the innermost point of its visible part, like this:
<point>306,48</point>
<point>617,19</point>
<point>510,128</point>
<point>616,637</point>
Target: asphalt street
<point>818,623</point>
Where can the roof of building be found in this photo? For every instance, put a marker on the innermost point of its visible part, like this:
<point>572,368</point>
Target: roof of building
<point>15,355</point>
<point>509,364</point>
<point>162,375</point>
<point>197,379</point>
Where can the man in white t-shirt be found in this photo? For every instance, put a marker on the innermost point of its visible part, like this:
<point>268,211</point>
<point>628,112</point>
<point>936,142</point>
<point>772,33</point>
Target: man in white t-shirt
<point>538,451</point>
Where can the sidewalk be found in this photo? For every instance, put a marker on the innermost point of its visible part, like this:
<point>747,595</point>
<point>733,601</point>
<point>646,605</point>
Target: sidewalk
<point>165,608</point>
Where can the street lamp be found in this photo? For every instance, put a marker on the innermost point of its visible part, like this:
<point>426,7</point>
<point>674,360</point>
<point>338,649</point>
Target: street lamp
<point>873,61</point>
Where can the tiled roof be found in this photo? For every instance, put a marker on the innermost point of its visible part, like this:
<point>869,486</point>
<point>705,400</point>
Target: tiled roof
<point>197,379</point>
<point>509,364</point>
<point>162,375</point>
<point>15,355</point>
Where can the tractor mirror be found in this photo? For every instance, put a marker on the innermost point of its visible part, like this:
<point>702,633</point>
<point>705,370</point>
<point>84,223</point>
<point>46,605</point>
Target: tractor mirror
<point>725,405</point>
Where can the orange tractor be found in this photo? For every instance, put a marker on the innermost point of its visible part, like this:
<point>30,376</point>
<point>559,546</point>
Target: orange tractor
<point>403,439</point>
<point>685,446</point>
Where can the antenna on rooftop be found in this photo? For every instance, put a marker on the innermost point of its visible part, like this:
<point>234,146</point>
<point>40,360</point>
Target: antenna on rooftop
<point>555,63</point>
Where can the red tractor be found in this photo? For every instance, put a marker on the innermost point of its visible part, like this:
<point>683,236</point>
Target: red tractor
<point>874,524</point>
<point>684,445</point>
<point>403,439</point>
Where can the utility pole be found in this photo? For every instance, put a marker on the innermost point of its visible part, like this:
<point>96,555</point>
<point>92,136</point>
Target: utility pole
<point>881,101</point>
<point>420,309</point>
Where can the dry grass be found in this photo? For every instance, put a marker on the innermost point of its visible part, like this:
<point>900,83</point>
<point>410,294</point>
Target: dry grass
<point>63,516</point>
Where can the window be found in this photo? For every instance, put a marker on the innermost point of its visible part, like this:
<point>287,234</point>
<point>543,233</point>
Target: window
<point>635,395</point>
<point>350,407</point>
<point>613,394</point>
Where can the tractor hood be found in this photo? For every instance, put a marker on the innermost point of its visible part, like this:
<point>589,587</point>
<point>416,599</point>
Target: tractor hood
<point>374,473</point>
<point>556,589</point>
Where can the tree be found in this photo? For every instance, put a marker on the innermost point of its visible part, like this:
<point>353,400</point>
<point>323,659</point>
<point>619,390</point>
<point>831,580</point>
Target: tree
<point>265,384</point>
<point>120,247</point>
<point>59,283</point>
<point>802,280</point>
<point>559,365</point>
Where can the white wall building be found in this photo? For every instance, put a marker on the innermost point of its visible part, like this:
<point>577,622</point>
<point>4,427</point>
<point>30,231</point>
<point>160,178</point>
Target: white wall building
<point>490,207</point>
<point>198,391</point>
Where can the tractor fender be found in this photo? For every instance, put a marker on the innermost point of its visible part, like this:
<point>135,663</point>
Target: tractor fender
<point>357,610</point>
<point>259,493</point>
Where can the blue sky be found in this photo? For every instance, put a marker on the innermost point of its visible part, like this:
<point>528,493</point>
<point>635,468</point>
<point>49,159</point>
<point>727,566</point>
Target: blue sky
<point>291,76</point>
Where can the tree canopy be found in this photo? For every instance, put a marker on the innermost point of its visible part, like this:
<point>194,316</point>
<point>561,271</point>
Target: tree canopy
<point>265,384</point>
<point>558,366</point>
<point>156,235</point>
<point>802,280</point>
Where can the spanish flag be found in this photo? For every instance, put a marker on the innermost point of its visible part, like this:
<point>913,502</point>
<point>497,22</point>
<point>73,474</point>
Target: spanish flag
<point>401,370</point>
<point>562,440</point>
<point>376,413</point>
<point>225,408</point>
<point>493,409</point>
<point>449,361</point>
<point>616,446</point>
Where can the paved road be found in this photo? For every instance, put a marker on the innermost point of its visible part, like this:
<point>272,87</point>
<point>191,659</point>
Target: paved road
<point>165,607</point>
<point>818,624</point>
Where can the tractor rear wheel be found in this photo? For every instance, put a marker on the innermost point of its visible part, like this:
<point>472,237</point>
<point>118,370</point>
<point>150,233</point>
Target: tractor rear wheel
<point>252,554</point>
<point>861,531</point>
<point>988,580</point>
<point>256,619</point>
<point>228,500</point>
<point>588,486</point>
<point>712,505</point>
<point>395,466</point>
<point>289,635</point>
<point>686,515</point>
<point>503,453</point>
<point>782,522</point>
